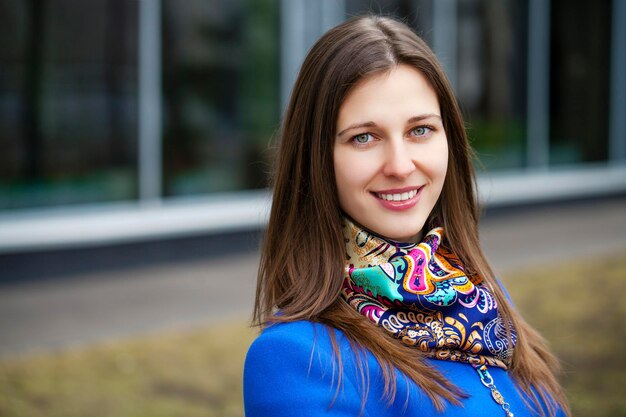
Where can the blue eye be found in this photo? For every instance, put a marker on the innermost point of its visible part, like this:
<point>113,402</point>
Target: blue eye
<point>421,131</point>
<point>362,139</point>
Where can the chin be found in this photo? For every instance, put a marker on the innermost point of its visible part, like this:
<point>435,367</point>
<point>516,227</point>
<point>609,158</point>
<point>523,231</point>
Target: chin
<point>406,239</point>
<point>403,235</point>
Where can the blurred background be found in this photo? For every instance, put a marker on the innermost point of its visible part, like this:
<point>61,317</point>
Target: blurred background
<point>135,147</point>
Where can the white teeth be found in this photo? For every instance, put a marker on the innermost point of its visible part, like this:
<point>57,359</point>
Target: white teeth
<point>397,197</point>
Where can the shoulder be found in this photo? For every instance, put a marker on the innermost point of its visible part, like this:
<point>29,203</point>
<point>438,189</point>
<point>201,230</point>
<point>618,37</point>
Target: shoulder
<point>294,341</point>
<point>290,332</point>
<point>291,365</point>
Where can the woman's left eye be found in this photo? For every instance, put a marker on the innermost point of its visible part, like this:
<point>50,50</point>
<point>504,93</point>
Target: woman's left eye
<point>421,131</point>
<point>362,139</point>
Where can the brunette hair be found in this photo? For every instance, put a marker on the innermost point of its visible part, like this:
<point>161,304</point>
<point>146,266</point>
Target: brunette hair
<point>302,259</point>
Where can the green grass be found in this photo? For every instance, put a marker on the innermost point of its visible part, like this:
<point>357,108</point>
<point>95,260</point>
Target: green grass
<point>580,307</point>
<point>194,373</point>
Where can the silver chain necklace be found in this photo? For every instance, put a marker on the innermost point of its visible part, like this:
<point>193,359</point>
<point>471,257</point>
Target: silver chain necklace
<point>487,380</point>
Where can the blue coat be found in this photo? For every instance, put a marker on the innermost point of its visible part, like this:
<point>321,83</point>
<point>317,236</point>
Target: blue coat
<point>289,372</point>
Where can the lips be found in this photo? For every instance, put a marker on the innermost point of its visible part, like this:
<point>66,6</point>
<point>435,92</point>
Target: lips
<point>399,199</point>
<point>397,196</point>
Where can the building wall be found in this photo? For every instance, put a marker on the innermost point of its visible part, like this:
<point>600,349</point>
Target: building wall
<point>110,105</point>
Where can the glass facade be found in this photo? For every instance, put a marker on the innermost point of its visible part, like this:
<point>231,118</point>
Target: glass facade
<point>579,86</point>
<point>69,98</point>
<point>491,81</point>
<point>68,108</point>
<point>69,88</point>
<point>221,93</point>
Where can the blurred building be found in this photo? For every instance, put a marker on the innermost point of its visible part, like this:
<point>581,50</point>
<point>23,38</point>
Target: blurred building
<point>125,121</point>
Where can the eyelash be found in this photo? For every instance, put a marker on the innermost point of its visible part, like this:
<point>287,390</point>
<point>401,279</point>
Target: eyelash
<point>357,143</point>
<point>429,129</point>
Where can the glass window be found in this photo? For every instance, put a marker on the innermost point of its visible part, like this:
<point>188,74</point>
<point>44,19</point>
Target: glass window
<point>579,81</point>
<point>68,108</point>
<point>221,93</point>
<point>491,83</point>
<point>416,13</point>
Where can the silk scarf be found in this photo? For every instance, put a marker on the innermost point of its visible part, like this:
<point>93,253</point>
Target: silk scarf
<point>421,294</point>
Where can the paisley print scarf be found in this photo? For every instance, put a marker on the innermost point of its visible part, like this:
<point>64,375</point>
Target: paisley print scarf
<point>421,294</point>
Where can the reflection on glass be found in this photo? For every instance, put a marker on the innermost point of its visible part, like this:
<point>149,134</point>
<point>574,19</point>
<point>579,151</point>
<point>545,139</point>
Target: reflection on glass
<point>492,79</point>
<point>221,93</point>
<point>68,106</point>
<point>579,84</point>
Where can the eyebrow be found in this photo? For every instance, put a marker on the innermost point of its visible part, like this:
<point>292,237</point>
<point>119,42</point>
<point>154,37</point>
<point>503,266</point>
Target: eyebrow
<point>372,124</point>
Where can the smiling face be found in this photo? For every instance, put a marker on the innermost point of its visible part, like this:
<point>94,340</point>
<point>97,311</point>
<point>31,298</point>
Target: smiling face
<point>390,153</point>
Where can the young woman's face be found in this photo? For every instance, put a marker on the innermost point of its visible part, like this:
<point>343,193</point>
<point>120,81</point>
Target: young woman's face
<point>391,153</point>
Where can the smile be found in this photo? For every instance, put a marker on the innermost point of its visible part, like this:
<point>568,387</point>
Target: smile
<point>400,199</point>
<point>397,196</point>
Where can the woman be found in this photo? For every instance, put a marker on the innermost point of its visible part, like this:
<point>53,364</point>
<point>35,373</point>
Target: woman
<point>373,293</point>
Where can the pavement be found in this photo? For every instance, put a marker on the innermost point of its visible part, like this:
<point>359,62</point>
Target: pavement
<point>105,305</point>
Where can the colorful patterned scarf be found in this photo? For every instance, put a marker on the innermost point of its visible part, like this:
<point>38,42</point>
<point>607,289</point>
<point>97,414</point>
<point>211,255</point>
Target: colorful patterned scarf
<point>421,294</point>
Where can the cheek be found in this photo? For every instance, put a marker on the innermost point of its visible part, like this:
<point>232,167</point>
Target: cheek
<point>432,162</point>
<point>439,164</point>
<point>340,176</point>
<point>351,176</point>
<point>443,167</point>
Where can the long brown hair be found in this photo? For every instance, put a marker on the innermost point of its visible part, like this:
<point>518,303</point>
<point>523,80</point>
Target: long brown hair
<point>302,258</point>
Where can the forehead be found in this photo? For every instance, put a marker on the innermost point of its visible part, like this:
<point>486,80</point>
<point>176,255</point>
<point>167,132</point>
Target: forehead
<point>399,93</point>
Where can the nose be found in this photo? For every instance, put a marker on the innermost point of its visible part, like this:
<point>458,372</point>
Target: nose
<point>398,160</point>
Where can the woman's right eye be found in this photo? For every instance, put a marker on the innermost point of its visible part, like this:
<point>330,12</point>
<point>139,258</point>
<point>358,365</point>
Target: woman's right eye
<point>362,139</point>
